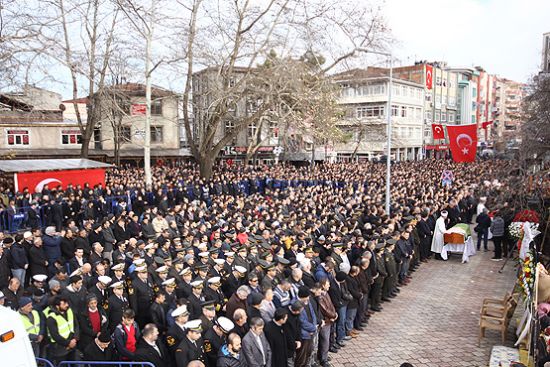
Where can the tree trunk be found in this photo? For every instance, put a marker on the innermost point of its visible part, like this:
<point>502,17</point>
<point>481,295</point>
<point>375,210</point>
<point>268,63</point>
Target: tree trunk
<point>206,164</point>
<point>85,148</point>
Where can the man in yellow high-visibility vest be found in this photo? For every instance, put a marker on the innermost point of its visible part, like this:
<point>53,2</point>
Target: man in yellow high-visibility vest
<point>62,331</point>
<point>33,323</point>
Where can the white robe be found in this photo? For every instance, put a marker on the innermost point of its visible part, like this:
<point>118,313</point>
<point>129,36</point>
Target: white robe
<point>437,241</point>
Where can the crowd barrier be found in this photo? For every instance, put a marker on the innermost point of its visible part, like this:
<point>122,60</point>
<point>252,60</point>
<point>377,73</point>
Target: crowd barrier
<point>41,362</point>
<point>103,364</point>
<point>17,219</point>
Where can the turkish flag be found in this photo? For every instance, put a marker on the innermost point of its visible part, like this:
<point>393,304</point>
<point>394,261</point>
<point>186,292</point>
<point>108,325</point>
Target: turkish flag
<point>437,131</point>
<point>485,124</point>
<point>463,142</point>
<point>429,76</point>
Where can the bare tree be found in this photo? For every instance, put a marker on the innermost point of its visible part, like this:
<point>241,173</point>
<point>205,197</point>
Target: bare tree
<point>226,40</point>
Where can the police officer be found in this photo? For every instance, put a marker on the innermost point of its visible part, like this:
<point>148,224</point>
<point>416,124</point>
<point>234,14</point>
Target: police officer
<point>32,323</point>
<point>213,293</point>
<point>215,338</point>
<point>191,347</point>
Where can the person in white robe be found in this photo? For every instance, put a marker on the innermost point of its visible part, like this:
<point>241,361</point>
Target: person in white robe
<point>437,241</point>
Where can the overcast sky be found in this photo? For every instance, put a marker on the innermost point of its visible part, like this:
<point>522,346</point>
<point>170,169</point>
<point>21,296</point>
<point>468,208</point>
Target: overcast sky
<point>502,36</point>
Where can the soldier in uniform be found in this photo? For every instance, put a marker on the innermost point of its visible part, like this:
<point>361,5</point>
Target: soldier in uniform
<point>191,347</point>
<point>379,281</point>
<point>229,260</point>
<point>213,293</point>
<point>202,272</point>
<point>117,273</point>
<point>141,294</point>
<point>208,315</point>
<point>217,269</point>
<point>184,288</point>
<point>169,291</point>
<point>162,275</point>
<point>269,281</point>
<point>233,281</point>
<point>176,332</point>
<point>195,299</point>
<point>391,269</point>
<point>100,291</point>
<point>214,338</point>
<point>117,304</point>
<point>241,258</point>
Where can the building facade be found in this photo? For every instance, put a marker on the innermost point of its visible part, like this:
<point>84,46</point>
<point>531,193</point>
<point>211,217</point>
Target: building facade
<point>36,123</point>
<point>508,96</point>
<point>364,97</point>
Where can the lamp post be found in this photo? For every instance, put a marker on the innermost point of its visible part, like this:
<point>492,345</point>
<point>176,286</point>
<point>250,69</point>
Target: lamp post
<point>388,123</point>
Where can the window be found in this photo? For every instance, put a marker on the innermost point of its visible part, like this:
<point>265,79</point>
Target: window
<point>156,107</point>
<point>273,129</point>
<point>443,117</point>
<point>451,117</point>
<point>451,101</point>
<point>410,112</point>
<point>411,132</point>
<point>126,133</point>
<point>229,126</point>
<point>396,90</point>
<point>156,134</point>
<point>428,116</point>
<point>418,114</point>
<point>251,132</point>
<point>403,111</point>
<point>369,111</point>
<point>437,116</point>
<point>18,137</point>
<point>404,91</point>
<point>69,137</point>
<point>394,111</point>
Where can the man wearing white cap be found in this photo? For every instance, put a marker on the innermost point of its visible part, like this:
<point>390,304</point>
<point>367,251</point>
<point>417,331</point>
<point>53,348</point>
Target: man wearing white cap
<point>176,332</point>
<point>117,304</point>
<point>191,347</point>
<point>440,228</point>
<point>213,293</point>
<point>215,337</point>
<point>100,290</point>
<point>140,292</point>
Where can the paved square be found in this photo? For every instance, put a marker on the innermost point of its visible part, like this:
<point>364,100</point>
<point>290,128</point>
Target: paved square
<point>434,320</point>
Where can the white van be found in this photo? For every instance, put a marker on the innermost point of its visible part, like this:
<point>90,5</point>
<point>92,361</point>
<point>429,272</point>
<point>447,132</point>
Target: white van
<point>15,346</point>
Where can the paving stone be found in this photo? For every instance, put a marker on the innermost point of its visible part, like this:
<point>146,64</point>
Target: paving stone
<point>434,320</point>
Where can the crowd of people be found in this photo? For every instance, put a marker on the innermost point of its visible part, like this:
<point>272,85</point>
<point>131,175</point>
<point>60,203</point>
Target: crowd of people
<point>268,266</point>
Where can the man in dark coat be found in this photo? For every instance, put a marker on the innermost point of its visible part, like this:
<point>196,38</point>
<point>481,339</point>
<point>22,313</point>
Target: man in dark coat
<point>38,264</point>
<point>214,338</point>
<point>158,314</point>
<point>100,350</point>
<point>191,347</point>
<point>277,339</point>
<point>150,349</point>
<point>117,304</point>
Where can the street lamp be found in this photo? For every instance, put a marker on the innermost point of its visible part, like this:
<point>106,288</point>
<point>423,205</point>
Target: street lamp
<point>388,122</point>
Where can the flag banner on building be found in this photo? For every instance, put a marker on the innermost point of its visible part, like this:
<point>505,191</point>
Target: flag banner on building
<point>485,124</point>
<point>463,142</point>
<point>437,131</point>
<point>429,76</point>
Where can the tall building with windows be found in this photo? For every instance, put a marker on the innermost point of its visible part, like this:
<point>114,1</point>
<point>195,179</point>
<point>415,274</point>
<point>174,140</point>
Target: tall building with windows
<point>364,97</point>
<point>545,66</point>
<point>507,98</point>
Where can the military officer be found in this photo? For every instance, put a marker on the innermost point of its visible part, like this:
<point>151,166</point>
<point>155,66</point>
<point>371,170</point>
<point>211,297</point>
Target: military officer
<point>379,281</point>
<point>191,347</point>
<point>176,332</point>
<point>391,269</point>
<point>208,314</point>
<point>213,293</point>
<point>118,302</point>
<point>195,299</point>
<point>184,288</point>
<point>141,295</point>
<point>214,338</point>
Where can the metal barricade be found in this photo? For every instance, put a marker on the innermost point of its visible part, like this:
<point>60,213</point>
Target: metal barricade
<point>41,362</point>
<point>98,363</point>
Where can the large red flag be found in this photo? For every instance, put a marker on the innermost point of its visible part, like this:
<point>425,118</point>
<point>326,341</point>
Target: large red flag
<point>429,76</point>
<point>437,131</point>
<point>463,142</point>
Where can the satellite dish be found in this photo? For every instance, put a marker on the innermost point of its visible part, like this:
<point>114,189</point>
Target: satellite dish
<point>62,107</point>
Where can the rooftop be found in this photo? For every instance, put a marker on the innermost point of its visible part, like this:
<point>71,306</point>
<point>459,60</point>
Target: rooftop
<point>34,165</point>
